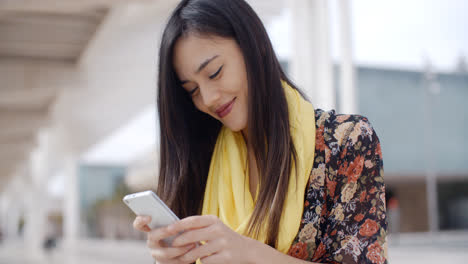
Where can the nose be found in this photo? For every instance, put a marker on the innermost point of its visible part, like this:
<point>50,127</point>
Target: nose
<point>210,96</point>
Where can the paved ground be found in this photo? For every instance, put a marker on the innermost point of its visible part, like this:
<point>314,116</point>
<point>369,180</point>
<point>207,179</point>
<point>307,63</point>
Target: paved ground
<point>451,247</point>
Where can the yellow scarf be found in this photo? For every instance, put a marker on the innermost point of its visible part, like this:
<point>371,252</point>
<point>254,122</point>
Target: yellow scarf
<point>227,193</point>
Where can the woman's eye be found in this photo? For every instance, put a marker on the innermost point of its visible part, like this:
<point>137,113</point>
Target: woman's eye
<point>216,73</point>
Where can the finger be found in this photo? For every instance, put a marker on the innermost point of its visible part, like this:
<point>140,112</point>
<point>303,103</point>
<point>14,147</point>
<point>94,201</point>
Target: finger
<point>205,250</point>
<point>193,222</point>
<point>156,236</point>
<point>196,235</point>
<point>141,223</point>
<point>170,253</point>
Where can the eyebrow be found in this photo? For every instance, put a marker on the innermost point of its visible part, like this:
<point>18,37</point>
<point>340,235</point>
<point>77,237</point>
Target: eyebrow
<point>202,66</point>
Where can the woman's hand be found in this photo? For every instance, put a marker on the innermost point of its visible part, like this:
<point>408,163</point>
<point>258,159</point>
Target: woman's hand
<point>222,244</point>
<point>159,251</point>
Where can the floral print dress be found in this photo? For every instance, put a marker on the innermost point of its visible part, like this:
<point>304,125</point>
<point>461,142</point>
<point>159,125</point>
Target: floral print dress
<point>344,218</point>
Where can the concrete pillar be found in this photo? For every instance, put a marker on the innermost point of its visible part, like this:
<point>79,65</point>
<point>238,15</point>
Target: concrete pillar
<point>37,200</point>
<point>431,195</point>
<point>431,87</point>
<point>71,203</point>
<point>12,207</point>
<point>3,213</point>
<point>66,156</point>
<point>324,89</point>
<point>348,95</point>
<point>302,60</point>
<point>34,223</point>
<point>12,220</point>
<point>311,64</point>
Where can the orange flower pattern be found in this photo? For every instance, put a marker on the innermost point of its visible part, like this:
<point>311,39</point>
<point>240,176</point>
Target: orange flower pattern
<point>351,229</point>
<point>299,250</point>
<point>369,228</point>
<point>374,253</point>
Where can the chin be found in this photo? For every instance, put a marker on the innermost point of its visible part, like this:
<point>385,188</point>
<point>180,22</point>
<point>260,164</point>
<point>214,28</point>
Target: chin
<point>235,126</point>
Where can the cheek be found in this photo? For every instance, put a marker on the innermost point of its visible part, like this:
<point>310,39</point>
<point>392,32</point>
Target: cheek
<point>241,92</point>
<point>244,111</point>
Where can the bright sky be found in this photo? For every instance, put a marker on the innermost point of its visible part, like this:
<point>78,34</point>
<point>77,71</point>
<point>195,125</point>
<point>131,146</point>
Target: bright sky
<point>396,33</point>
<point>402,32</point>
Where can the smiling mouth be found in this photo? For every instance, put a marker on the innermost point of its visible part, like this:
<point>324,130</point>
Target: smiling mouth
<point>225,109</point>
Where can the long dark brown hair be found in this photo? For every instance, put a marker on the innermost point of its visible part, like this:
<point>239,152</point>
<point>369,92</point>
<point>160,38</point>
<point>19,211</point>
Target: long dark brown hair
<point>188,136</point>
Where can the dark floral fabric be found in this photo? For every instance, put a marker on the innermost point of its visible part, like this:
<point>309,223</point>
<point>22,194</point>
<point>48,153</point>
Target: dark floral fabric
<point>344,217</point>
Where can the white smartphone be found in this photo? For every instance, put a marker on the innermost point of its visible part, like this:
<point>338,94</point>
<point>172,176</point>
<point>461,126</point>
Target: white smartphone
<point>148,203</point>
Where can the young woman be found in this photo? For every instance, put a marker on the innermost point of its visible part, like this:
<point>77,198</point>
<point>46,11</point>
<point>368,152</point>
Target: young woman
<point>256,174</point>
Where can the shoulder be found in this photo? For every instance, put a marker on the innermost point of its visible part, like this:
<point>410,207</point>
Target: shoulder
<point>344,204</point>
<point>342,139</point>
<point>338,130</point>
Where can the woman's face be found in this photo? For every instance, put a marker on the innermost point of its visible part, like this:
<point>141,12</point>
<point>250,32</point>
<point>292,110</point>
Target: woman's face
<point>212,71</point>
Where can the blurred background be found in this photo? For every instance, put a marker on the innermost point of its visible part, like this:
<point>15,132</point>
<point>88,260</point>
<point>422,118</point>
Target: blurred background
<point>78,127</point>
